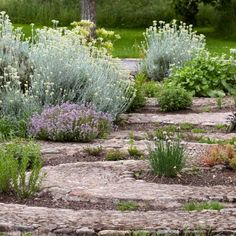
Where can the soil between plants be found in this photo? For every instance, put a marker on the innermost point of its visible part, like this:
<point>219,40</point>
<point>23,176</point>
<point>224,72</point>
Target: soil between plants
<point>46,200</point>
<point>81,157</point>
<point>156,110</point>
<point>199,177</point>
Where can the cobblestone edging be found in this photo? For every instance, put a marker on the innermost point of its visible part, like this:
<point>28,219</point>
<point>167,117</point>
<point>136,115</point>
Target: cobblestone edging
<point>41,221</point>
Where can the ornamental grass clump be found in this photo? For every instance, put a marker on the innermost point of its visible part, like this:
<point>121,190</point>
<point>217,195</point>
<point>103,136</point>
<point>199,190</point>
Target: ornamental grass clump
<point>70,122</point>
<point>169,44</point>
<point>167,157</point>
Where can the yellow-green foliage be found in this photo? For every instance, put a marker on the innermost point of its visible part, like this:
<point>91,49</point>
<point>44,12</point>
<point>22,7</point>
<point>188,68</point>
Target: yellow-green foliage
<point>98,37</point>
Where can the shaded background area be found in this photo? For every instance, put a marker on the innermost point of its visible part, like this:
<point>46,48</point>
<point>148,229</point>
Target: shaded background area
<point>129,18</point>
<point>117,13</point>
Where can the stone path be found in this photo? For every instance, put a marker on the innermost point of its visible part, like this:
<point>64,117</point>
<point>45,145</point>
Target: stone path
<point>52,150</point>
<point>132,64</point>
<point>114,181</point>
<point>44,221</point>
<point>204,118</point>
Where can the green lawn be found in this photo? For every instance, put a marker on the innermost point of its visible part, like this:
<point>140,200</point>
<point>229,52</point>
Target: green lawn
<point>128,45</point>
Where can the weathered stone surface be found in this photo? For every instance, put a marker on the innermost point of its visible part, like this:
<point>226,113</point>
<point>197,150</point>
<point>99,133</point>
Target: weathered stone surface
<point>113,233</point>
<point>114,181</point>
<point>204,118</point>
<point>131,64</point>
<point>98,180</point>
<point>118,140</point>
<point>85,231</point>
<point>51,220</point>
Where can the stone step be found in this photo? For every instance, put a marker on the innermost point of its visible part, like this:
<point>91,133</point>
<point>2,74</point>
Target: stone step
<point>107,180</point>
<point>199,103</point>
<point>202,119</point>
<point>16,219</point>
<point>121,141</point>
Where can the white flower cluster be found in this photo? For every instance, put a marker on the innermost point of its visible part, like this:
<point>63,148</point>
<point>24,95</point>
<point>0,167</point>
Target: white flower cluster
<point>169,44</point>
<point>61,69</point>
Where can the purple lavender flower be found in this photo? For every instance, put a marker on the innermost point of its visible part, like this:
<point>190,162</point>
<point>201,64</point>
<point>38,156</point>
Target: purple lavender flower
<point>70,122</point>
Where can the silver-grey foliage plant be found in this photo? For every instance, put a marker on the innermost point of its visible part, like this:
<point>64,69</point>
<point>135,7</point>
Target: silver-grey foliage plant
<point>63,69</point>
<point>169,44</point>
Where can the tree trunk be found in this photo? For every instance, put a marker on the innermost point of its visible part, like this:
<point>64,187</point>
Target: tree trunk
<point>88,10</point>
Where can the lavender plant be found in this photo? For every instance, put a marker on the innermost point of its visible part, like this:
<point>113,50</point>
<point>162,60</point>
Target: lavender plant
<point>169,44</point>
<point>70,122</point>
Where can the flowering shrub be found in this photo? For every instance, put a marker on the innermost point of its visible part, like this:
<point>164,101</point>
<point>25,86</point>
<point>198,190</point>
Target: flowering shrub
<point>66,70</point>
<point>14,63</point>
<point>56,68</point>
<point>70,122</point>
<point>100,38</point>
<point>169,44</point>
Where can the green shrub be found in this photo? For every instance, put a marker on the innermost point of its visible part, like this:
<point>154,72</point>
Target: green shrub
<point>205,75</point>
<point>93,151</point>
<point>151,89</point>
<point>174,99</point>
<point>115,155</point>
<point>31,77</point>
<point>134,152</point>
<point>127,206</point>
<point>12,128</point>
<point>18,149</point>
<point>15,160</point>
<point>139,100</point>
<point>232,163</point>
<point>167,158</point>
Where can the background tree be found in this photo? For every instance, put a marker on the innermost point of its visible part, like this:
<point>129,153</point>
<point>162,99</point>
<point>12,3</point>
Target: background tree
<point>188,9</point>
<point>88,10</point>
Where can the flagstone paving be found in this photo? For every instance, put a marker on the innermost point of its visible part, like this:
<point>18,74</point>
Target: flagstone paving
<point>114,181</point>
<point>44,221</point>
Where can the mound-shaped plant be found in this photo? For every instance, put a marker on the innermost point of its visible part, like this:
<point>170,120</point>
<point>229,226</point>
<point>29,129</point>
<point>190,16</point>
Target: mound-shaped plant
<point>220,155</point>
<point>55,67</point>
<point>169,44</point>
<point>174,99</point>
<point>70,122</point>
<point>205,75</point>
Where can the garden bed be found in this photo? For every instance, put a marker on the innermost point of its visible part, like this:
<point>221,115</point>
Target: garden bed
<point>193,177</point>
